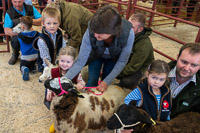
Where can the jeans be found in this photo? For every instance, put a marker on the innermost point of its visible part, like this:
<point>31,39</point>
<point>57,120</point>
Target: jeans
<point>94,69</point>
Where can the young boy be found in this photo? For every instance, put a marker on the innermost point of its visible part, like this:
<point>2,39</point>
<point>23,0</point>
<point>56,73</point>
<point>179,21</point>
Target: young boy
<point>29,54</point>
<point>51,39</point>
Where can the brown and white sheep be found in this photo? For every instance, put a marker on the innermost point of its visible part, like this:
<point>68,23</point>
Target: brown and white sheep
<point>129,114</point>
<point>72,114</point>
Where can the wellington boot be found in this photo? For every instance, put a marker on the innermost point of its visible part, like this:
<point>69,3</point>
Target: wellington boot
<point>52,129</point>
<point>14,57</point>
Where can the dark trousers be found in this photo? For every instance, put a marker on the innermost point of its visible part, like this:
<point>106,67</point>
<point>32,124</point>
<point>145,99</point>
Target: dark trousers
<point>131,81</point>
<point>41,3</point>
<point>94,69</point>
<point>39,63</point>
<point>29,64</point>
<point>175,3</point>
<point>15,43</point>
<point>190,10</point>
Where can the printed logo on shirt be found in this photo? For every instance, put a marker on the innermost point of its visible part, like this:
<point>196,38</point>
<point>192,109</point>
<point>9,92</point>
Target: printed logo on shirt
<point>165,106</point>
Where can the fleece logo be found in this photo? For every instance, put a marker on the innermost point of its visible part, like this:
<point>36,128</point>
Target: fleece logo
<point>165,104</point>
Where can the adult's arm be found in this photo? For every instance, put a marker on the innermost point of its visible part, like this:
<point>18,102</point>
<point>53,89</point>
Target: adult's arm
<point>37,22</point>
<point>136,60</point>
<point>83,56</point>
<point>8,26</point>
<point>122,60</point>
<point>8,31</point>
<point>37,17</point>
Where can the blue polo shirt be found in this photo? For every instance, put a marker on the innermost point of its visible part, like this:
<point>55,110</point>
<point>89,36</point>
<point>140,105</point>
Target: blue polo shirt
<point>8,22</point>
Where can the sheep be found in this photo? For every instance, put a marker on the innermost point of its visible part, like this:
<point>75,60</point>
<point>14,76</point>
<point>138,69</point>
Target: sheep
<point>74,114</point>
<point>17,28</point>
<point>129,114</point>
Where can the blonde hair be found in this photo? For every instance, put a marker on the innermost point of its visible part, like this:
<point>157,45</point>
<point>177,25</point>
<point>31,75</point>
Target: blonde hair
<point>68,50</point>
<point>51,12</point>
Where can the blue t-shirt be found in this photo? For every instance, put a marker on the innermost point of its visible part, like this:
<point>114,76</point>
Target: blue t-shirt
<point>8,22</point>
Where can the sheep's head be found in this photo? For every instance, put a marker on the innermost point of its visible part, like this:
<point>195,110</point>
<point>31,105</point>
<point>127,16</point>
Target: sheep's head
<point>129,115</point>
<point>47,71</point>
<point>45,75</point>
<point>66,84</point>
<point>17,28</point>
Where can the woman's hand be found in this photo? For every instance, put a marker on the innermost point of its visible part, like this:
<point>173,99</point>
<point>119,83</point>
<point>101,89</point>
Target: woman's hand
<point>80,86</point>
<point>102,86</point>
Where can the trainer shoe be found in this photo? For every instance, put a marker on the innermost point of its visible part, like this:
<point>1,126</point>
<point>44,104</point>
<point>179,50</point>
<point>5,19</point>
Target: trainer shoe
<point>25,74</point>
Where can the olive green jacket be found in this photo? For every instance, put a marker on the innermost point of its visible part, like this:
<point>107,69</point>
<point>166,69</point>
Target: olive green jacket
<point>74,21</point>
<point>141,55</point>
<point>188,100</point>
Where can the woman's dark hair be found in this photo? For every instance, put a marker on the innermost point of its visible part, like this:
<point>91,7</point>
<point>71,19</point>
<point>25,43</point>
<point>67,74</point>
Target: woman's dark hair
<point>106,20</point>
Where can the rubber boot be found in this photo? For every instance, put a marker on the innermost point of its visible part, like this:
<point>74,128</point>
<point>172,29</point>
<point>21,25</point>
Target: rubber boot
<point>14,57</point>
<point>52,129</point>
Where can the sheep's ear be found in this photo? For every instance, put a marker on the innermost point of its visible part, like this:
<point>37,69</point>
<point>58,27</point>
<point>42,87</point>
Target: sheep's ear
<point>77,93</point>
<point>133,103</point>
<point>48,63</point>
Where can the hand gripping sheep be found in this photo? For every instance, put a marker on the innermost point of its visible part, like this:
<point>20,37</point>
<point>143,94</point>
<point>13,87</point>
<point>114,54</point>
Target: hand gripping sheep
<point>141,122</point>
<point>73,114</point>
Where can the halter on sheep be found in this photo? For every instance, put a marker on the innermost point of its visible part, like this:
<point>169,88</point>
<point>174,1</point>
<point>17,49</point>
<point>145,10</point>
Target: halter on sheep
<point>127,117</point>
<point>184,123</point>
<point>61,86</point>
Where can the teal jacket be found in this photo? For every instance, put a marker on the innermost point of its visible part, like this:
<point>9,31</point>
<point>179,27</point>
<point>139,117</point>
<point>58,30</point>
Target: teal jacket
<point>188,100</point>
<point>141,55</point>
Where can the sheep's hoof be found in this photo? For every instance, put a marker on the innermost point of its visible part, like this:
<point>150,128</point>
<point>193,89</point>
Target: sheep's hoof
<point>52,129</point>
